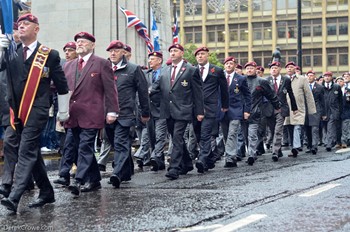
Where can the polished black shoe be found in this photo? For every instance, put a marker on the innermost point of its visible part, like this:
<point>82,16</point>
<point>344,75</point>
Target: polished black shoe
<point>5,190</point>
<point>238,158</point>
<point>294,153</point>
<point>185,170</point>
<point>172,174</point>
<point>92,186</point>
<point>251,160</point>
<point>62,181</point>
<point>314,151</point>
<point>200,166</point>
<point>230,164</point>
<point>139,163</point>
<point>280,154</point>
<point>9,204</point>
<point>102,167</point>
<point>154,165</point>
<point>328,149</point>
<point>41,202</point>
<point>267,146</point>
<point>274,157</point>
<point>115,180</point>
<point>75,188</point>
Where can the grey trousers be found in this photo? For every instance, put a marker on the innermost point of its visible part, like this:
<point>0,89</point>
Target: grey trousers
<point>345,138</point>
<point>252,139</point>
<point>331,132</point>
<point>104,151</point>
<point>231,142</point>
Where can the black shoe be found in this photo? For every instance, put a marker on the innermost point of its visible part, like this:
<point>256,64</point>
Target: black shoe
<point>328,149</point>
<point>200,166</point>
<point>268,146</point>
<point>280,154</point>
<point>285,145</point>
<point>185,170</point>
<point>41,202</point>
<point>308,151</point>
<point>238,158</point>
<point>9,204</point>
<point>314,151</point>
<point>75,188</point>
<point>62,181</point>
<point>91,186</point>
<point>115,180</point>
<point>274,157</point>
<point>300,149</point>
<point>139,163</point>
<point>5,190</point>
<point>172,174</point>
<point>230,164</point>
<point>294,153</point>
<point>251,160</point>
<point>154,165</point>
<point>102,167</point>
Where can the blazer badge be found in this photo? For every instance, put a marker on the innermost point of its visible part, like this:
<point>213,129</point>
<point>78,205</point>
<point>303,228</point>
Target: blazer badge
<point>236,89</point>
<point>184,83</point>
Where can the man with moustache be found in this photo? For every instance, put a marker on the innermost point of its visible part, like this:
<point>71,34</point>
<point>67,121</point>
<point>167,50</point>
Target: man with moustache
<point>90,79</point>
<point>181,89</point>
<point>30,95</point>
<point>214,90</point>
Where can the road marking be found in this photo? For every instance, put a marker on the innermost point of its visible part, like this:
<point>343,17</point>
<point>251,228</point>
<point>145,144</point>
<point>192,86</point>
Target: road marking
<point>319,190</point>
<point>201,228</point>
<point>240,223</point>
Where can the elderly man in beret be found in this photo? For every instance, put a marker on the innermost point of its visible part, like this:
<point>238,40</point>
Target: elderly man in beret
<point>214,90</point>
<point>130,82</point>
<point>282,86</point>
<point>260,89</point>
<point>21,142</point>
<point>94,101</point>
<point>180,86</point>
<point>305,103</point>
<point>333,97</point>
<point>239,110</point>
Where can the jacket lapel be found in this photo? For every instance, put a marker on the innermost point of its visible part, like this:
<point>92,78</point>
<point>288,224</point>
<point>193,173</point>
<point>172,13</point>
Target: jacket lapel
<point>179,74</point>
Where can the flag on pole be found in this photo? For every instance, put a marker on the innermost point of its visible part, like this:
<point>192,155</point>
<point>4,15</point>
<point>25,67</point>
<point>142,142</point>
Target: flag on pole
<point>175,29</point>
<point>155,33</point>
<point>134,21</point>
<point>7,16</point>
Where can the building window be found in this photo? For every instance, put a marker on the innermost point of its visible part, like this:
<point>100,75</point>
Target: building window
<point>238,32</point>
<point>262,58</point>
<point>312,57</point>
<point>262,31</point>
<point>193,34</point>
<point>215,33</point>
<point>286,29</point>
<point>337,26</point>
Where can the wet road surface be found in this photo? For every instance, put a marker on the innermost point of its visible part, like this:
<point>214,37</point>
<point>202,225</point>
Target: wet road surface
<point>308,193</point>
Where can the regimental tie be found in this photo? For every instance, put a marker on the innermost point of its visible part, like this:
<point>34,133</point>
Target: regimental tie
<point>25,49</point>
<point>154,76</point>
<point>311,87</point>
<point>172,80</point>
<point>202,71</point>
<point>80,65</point>
<point>228,80</point>
<point>115,67</point>
<point>275,85</point>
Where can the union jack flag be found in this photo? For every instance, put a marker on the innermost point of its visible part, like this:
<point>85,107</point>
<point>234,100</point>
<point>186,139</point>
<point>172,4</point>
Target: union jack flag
<point>134,21</point>
<point>175,29</point>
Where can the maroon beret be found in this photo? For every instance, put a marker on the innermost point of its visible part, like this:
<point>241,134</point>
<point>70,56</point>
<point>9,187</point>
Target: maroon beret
<point>116,44</point>
<point>297,67</point>
<point>328,73</point>
<point>84,35</point>
<point>71,45</point>
<point>29,17</point>
<point>239,66</point>
<point>157,54</point>
<point>178,46</point>
<point>310,71</point>
<point>127,48</point>
<point>230,58</point>
<point>275,63</point>
<point>204,49</point>
<point>346,73</point>
<point>290,63</point>
<point>260,68</point>
<point>15,26</point>
<point>251,63</point>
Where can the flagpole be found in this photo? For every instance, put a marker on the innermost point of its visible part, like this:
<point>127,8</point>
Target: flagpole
<point>116,20</point>
<point>174,14</point>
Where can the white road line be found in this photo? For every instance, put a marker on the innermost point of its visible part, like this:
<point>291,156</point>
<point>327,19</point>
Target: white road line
<point>201,228</point>
<point>240,223</point>
<point>319,190</point>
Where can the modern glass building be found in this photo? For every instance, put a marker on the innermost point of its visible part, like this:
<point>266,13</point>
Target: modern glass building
<point>252,29</point>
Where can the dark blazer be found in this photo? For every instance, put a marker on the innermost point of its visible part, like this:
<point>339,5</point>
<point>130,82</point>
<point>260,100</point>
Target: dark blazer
<point>155,99</point>
<point>318,93</point>
<point>184,97</point>
<point>214,81</point>
<point>19,70</point>
<point>333,98</point>
<point>92,95</point>
<point>240,99</point>
<point>284,88</point>
<point>4,106</point>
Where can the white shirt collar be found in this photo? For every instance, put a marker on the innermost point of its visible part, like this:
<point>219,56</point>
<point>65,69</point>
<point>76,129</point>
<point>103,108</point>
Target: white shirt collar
<point>86,57</point>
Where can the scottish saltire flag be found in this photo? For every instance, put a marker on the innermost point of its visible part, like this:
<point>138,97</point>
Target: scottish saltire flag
<point>175,29</point>
<point>7,16</point>
<point>133,20</point>
<point>155,33</point>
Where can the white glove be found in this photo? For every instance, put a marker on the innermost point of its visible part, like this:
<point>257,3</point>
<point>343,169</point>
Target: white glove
<point>63,107</point>
<point>4,42</point>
